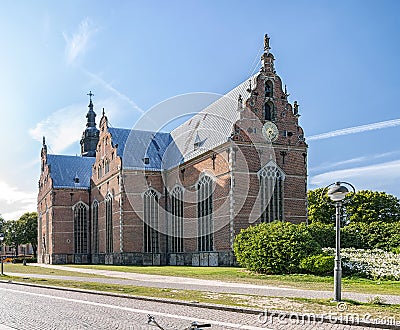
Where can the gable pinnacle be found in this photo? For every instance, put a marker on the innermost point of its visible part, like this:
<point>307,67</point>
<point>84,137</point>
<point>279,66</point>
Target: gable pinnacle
<point>266,44</point>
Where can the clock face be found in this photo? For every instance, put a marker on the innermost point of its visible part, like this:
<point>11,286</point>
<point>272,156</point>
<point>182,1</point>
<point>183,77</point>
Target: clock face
<point>270,131</point>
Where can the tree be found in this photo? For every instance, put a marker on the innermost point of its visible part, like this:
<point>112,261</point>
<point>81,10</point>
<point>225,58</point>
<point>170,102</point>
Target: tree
<point>366,206</point>
<point>370,206</point>
<point>28,226</point>
<point>2,221</point>
<point>319,208</point>
<point>13,234</point>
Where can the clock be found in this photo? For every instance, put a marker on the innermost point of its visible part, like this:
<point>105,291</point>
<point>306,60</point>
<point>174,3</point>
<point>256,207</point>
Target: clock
<point>270,131</point>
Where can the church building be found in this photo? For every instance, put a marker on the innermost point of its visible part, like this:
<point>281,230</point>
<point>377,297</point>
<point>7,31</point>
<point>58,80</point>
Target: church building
<point>136,197</point>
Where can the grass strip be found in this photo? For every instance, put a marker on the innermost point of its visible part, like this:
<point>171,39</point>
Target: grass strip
<point>240,275</point>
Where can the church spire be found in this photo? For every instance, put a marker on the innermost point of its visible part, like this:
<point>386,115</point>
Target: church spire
<point>90,136</point>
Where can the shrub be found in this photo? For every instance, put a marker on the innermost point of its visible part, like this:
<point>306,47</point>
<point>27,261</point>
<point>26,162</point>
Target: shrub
<point>322,233</point>
<point>373,264</point>
<point>320,264</point>
<point>274,248</point>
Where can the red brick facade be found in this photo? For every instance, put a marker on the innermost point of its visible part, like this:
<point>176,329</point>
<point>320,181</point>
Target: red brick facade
<point>235,167</point>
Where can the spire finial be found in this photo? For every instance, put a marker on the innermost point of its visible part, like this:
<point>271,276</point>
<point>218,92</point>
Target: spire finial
<point>104,112</point>
<point>90,95</point>
<point>44,141</point>
<point>266,44</point>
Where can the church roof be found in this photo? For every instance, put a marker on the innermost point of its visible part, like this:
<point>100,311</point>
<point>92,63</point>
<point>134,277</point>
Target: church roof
<point>145,149</point>
<point>213,125</point>
<point>70,171</point>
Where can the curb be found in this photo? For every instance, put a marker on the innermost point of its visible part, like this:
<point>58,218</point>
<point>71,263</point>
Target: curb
<point>306,318</point>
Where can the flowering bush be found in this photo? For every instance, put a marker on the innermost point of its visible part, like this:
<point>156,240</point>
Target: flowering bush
<point>373,264</point>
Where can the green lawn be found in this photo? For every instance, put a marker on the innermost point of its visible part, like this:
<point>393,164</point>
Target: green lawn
<point>19,268</point>
<point>239,275</point>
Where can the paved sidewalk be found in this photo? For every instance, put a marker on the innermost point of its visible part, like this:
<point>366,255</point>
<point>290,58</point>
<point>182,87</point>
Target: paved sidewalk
<point>159,281</point>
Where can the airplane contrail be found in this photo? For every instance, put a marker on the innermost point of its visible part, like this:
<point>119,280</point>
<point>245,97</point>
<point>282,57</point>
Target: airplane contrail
<point>356,129</point>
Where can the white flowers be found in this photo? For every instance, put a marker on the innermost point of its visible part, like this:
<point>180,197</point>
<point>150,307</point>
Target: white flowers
<point>374,264</point>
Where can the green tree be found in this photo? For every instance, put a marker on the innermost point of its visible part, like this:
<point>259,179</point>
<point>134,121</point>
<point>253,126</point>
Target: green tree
<point>13,234</point>
<point>28,226</point>
<point>366,206</point>
<point>319,207</point>
<point>370,206</point>
<point>2,221</point>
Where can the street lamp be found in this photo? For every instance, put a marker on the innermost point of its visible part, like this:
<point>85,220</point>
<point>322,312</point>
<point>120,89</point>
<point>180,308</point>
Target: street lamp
<point>1,244</point>
<point>337,192</point>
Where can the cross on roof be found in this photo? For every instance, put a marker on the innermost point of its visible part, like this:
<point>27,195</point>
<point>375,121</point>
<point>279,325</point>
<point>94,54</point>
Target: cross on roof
<point>90,95</point>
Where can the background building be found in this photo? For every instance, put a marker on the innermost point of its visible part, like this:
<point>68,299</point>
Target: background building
<point>178,198</point>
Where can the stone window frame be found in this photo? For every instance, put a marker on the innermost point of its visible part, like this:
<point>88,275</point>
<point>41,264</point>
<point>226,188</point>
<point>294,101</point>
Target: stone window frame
<point>109,246</point>
<point>271,180</point>
<point>205,224</point>
<point>80,218</point>
<point>95,226</point>
<point>177,216</point>
<point>151,239</point>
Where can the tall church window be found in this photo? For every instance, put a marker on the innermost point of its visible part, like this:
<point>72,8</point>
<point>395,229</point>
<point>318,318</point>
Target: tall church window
<point>109,224</point>
<point>95,227</point>
<point>205,214</point>
<point>99,172</point>
<point>268,89</point>
<point>271,179</point>
<point>150,234</point>
<point>80,228</point>
<point>106,166</point>
<point>177,220</point>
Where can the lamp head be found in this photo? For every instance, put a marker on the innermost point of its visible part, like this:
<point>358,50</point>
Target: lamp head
<point>337,192</point>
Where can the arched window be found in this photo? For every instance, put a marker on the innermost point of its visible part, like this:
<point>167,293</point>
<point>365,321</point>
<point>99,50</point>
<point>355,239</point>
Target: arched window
<point>268,111</point>
<point>109,224</point>
<point>95,227</point>
<point>205,214</point>
<point>80,228</point>
<point>99,172</point>
<point>268,89</point>
<point>150,234</point>
<point>177,220</point>
<point>271,192</point>
<point>106,166</point>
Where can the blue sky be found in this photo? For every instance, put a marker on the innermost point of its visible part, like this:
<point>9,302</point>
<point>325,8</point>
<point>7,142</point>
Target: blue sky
<point>339,60</point>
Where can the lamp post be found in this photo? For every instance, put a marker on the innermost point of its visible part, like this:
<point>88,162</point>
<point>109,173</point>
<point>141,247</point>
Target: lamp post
<point>1,244</point>
<point>337,193</point>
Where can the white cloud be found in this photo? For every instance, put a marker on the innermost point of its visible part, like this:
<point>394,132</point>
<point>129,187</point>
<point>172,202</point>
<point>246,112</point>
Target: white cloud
<point>363,159</point>
<point>356,129</point>
<point>19,201</point>
<point>62,128</point>
<point>383,176</point>
<point>78,43</point>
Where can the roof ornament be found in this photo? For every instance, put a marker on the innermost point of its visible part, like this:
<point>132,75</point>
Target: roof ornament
<point>103,113</point>
<point>44,141</point>
<point>266,44</point>
<point>90,94</point>
<point>296,108</point>
<point>249,89</point>
<point>286,93</point>
<point>240,103</point>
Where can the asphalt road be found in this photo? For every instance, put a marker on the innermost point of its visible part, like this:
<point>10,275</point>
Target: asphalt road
<point>24,307</point>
